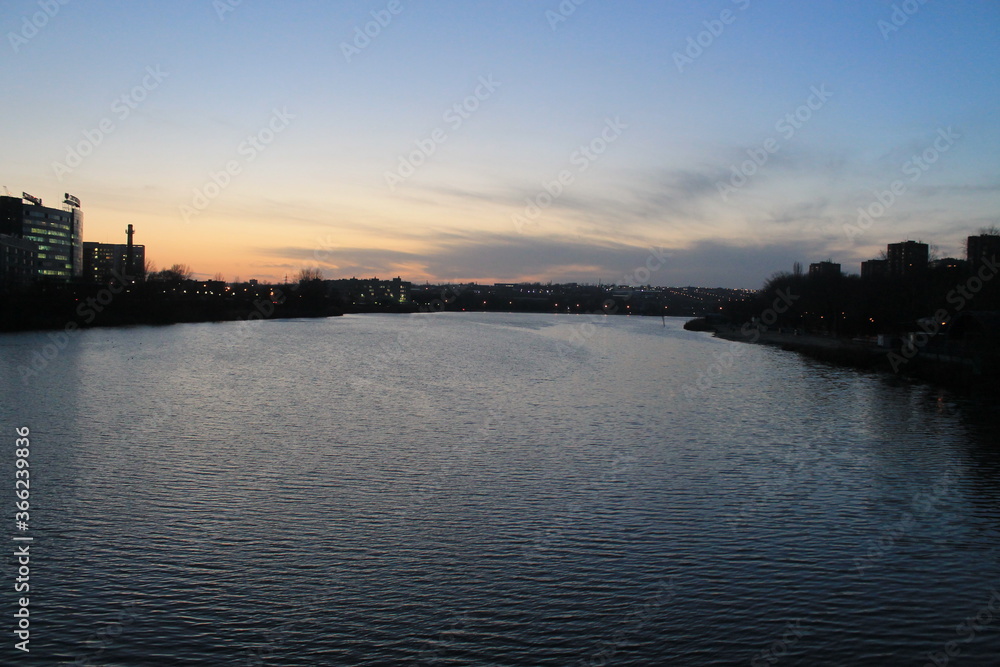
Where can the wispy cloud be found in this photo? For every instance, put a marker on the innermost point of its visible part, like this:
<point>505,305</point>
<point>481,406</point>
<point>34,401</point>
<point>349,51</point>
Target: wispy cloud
<point>494,257</point>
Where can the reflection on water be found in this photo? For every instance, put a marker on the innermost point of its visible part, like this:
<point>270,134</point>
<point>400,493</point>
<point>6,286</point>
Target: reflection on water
<point>497,489</point>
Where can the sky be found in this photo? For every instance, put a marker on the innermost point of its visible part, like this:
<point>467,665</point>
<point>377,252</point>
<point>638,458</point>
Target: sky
<point>667,143</point>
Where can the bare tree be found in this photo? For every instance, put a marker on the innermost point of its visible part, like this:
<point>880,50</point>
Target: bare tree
<point>309,274</point>
<point>182,271</point>
<point>175,272</point>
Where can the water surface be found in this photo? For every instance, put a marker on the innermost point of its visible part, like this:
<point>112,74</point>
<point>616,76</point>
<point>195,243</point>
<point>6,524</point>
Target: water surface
<point>495,489</point>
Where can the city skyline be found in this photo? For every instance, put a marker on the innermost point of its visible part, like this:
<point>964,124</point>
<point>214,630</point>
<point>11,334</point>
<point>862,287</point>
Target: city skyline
<point>113,255</point>
<point>556,142</point>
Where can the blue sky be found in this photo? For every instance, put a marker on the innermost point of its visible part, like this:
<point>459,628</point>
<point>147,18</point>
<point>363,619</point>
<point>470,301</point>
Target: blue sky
<point>895,78</point>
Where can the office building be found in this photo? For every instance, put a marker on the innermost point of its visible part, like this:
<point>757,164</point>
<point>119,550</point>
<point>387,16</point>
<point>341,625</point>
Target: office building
<point>103,262</point>
<point>57,234</point>
<point>17,261</point>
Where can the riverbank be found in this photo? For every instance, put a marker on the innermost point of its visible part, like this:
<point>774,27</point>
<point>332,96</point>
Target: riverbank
<point>824,348</point>
<point>957,371</point>
<point>89,307</point>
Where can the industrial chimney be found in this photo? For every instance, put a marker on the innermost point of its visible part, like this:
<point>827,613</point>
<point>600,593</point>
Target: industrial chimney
<point>129,272</point>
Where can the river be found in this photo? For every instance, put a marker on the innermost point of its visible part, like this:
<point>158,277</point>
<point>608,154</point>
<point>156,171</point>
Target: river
<point>493,489</point>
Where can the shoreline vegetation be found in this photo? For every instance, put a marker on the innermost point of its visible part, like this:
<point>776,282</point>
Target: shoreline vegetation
<point>68,307</point>
<point>961,367</point>
<point>125,302</point>
<point>938,323</point>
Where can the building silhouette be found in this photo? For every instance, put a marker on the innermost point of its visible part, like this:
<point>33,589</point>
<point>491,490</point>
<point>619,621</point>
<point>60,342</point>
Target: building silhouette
<point>874,269</point>
<point>907,259</point>
<point>17,261</point>
<point>949,264</point>
<point>103,262</point>
<point>981,248</point>
<point>372,292</point>
<point>56,235</point>
<point>824,270</point>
